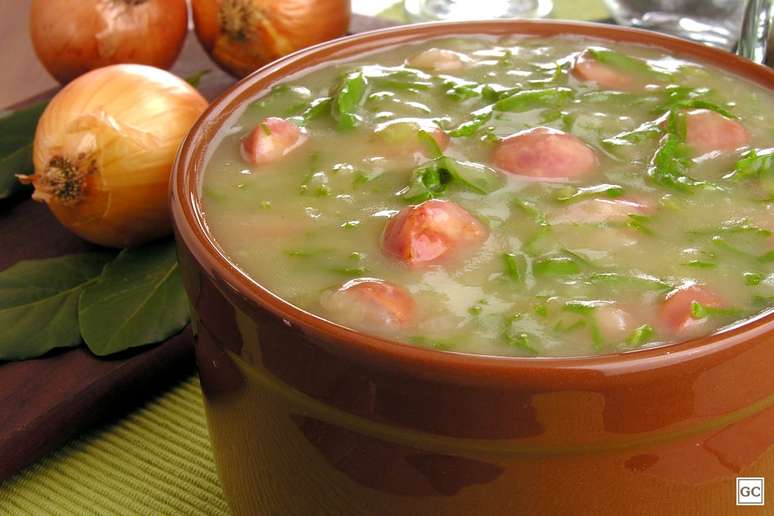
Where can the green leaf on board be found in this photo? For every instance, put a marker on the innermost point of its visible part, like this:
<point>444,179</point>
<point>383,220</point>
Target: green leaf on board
<point>195,79</point>
<point>17,132</point>
<point>39,303</point>
<point>138,299</point>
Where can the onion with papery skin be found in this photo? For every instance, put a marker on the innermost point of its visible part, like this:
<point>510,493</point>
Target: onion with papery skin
<point>104,149</point>
<point>72,37</point>
<point>243,35</point>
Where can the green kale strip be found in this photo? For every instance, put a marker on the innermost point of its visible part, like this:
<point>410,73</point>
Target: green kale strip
<point>576,194</point>
<point>585,309</point>
<point>533,99</point>
<point>431,179</point>
<point>397,78</point>
<point>513,336</point>
<point>756,165</point>
<point>348,101</point>
<point>514,101</point>
<point>700,311</point>
<point>684,98</point>
<point>640,336</point>
<point>628,64</point>
<point>515,266</point>
<point>539,219</point>
<point>672,159</point>
<point>637,281</point>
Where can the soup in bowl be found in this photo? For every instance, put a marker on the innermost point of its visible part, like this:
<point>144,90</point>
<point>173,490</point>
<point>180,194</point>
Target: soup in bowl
<point>496,267</point>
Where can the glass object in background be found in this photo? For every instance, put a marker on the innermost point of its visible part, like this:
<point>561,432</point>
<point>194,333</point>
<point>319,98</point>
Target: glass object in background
<point>757,39</point>
<point>433,10</point>
<point>714,22</point>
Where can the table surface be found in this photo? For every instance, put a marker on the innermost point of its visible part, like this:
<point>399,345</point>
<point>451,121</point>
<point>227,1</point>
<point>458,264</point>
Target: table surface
<point>157,458</point>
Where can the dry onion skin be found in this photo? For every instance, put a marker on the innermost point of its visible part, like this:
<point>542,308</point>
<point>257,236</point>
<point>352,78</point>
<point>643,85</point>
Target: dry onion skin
<point>243,35</point>
<point>72,37</point>
<point>104,149</point>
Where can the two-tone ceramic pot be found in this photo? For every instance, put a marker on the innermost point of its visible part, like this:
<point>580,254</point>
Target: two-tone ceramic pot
<point>310,418</point>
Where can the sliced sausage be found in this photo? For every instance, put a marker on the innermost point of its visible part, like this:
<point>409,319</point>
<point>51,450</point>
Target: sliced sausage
<point>544,153</point>
<point>431,232</point>
<point>708,131</point>
<point>439,60</point>
<point>370,303</point>
<point>588,69</point>
<point>597,211</point>
<point>675,311</point>
<point>270,140</point>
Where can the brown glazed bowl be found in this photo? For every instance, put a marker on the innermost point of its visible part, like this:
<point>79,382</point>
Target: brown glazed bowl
<point>310,418</point>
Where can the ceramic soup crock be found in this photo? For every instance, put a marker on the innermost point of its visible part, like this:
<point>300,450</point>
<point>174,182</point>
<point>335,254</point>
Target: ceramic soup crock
<point>310,418</point>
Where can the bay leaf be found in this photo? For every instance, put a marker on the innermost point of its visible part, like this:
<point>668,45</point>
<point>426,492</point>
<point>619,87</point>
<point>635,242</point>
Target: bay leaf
<point>195,79</point>
<point>17,132</point>
<point>39,303</point>
<point>138,299</point>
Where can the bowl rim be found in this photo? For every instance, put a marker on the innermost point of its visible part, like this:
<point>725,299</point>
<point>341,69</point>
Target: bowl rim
<point>191,227</point>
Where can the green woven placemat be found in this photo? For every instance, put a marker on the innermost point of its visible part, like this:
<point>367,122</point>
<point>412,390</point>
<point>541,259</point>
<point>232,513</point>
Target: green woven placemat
<point>155,461</point>
<point>158,459</point>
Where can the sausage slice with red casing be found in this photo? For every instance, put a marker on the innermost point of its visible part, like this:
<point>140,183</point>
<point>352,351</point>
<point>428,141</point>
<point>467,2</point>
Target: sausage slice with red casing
<point>371,303</point>
<point>708,131</point>
<point>270,140</point>
<point>544,153</point>
<point>432,232</point>
<point>587,69</point>
<point>675,312</point>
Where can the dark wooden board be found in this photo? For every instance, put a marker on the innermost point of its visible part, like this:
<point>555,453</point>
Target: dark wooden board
<point>46,401</point>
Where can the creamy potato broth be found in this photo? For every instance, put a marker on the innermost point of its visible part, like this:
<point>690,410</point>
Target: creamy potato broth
<point>639,216</point>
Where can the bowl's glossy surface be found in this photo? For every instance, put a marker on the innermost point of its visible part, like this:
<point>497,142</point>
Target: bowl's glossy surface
<point>308,418</point>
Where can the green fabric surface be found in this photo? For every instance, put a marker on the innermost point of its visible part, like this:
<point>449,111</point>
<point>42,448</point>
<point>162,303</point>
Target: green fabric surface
<point>155,461</point>
<point>158,459</point>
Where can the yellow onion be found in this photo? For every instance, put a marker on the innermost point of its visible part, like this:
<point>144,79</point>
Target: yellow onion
<point>104,149</point>
<point>72,37</point>
<point>243,35</point>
